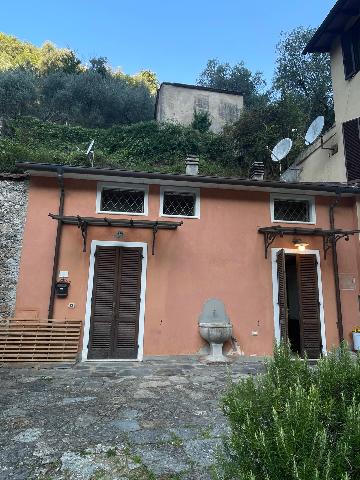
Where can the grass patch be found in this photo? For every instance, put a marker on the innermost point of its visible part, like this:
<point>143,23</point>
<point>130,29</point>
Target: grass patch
<point>175,440</point>
<point>111,452</point>
<point>206,434</point>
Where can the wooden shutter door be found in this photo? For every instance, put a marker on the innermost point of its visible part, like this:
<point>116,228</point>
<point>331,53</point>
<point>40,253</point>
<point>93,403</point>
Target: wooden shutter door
<point>282,295</point>
<point>104,290</point>
<point>114,324</point>
<point>309,305</point>
<point>128,303</point>
<point>351,133</point>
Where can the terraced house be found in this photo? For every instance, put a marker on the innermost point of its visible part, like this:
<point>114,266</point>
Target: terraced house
<point>131,257</point>
<point>118,264</point>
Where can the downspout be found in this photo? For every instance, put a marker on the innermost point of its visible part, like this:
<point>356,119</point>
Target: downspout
<point>60,177</point>
<point>336,269</point>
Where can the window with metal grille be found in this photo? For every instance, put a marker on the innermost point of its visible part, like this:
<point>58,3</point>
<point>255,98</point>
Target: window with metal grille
<point>122,200</point>
<point>179,203</point>
<point>289,210</point>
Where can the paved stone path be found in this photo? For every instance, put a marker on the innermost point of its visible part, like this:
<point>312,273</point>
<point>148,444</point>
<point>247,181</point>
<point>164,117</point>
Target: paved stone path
<point>159,419</point>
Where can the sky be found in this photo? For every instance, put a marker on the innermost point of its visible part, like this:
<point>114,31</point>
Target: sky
<point>172,38</point>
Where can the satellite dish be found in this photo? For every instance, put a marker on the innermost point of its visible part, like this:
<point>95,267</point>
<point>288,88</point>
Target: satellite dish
<point>90,147</point>
<point>281,149</point>
<point>314,130</point>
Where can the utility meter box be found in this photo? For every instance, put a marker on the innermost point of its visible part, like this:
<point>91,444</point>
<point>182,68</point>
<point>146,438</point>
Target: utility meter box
<point>62,288</point>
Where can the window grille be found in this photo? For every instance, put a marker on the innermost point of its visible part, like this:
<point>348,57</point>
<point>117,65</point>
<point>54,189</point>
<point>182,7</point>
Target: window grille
<point>121,200</point>
<point>292,210</point>
<point>179,203</point>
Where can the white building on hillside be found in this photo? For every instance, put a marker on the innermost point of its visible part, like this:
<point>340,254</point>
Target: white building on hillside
<point>177,102</point>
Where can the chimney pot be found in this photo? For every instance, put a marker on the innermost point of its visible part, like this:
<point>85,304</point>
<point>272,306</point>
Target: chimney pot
<point>257,171</point>
<point>192,165</point>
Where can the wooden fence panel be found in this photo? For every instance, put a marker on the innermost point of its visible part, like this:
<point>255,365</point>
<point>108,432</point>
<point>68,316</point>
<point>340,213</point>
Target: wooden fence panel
<point>39,340</point>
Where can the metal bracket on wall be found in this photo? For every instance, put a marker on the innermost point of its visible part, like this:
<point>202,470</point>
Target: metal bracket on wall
<point>269,238</point>
<point>328,240</point>
<point>330,237</point>
<point>83,225</point>
<point>155,230</point>
<point>84,222</point>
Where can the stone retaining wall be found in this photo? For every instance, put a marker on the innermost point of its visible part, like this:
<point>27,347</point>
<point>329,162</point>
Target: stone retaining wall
<point>13,207</point>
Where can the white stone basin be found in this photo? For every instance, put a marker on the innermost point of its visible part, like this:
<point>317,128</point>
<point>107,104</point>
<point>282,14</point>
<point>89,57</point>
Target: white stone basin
<point>215,328</point>
<point>215,332</point>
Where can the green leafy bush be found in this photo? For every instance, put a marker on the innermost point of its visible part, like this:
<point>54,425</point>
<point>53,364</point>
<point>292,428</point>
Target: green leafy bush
<point>201,121</point>
<point>295,422</point>
<point>145,146</point>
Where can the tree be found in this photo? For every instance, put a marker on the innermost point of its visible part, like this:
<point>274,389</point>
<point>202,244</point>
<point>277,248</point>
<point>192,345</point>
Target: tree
<point>18,92</point>
<point>55,59</point>
<point>237,78</point>
<point>14,53</point>
<point>259,129</point>
<point>307,78</point>
<point>301,91</point>
<point>99,65</point>
<point>91,99</point>
<point>149,79</point>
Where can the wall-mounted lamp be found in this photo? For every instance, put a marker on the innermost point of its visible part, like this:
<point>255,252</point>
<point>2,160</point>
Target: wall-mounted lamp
<point>119,234</point>
<point>300,245</point>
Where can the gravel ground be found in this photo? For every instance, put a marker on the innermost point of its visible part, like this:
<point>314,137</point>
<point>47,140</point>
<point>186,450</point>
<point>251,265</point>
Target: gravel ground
<point>159,419</point>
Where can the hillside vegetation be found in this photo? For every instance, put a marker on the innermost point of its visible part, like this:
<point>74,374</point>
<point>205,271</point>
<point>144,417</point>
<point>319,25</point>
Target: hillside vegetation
<point>52,84</point>
<point>145,146</point>
<point>52,105</point>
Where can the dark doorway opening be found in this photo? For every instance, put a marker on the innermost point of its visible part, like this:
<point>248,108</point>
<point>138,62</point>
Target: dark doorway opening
<point>293,303</point>
<point>298,301</point>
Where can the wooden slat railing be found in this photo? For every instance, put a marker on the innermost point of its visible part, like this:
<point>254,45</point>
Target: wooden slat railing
<point>39,340</point>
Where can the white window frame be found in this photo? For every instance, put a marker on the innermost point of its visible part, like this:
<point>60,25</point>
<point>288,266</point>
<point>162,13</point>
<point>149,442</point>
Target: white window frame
<point>86,336</point>
<point>275,283</point>
<point>122,186</point>
<point>195,191</point>
<point>282,196</point>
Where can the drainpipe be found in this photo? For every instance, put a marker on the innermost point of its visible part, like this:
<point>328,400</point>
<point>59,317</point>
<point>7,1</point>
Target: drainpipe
<point>60,177</point>
<point>336,269</point>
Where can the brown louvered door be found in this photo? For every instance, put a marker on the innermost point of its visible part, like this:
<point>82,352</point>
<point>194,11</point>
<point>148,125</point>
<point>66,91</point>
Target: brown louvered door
<point>128,303</point>
<point>114,323</point>
<point>351,133</point>
<point>282,295</point>
<point>310,335</point>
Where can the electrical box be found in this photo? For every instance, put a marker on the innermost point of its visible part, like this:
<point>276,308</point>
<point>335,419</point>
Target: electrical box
<point>62,288</point>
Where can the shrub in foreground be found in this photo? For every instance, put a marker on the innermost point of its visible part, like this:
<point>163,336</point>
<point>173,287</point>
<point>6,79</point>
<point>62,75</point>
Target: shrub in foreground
<point>295,422</point>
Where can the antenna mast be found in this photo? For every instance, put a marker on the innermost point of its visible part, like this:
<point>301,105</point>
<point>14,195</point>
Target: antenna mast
<point>90,154</point>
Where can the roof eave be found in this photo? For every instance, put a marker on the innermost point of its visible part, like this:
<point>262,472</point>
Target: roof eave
<point>325,28</point>
<point>205,180</point>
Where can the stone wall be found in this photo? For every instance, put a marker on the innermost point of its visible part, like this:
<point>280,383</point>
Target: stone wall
<point>13,206</point>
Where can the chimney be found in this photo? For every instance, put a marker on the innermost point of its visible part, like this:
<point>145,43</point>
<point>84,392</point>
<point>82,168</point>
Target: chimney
<point>192,165</point>
<point>257,171</point>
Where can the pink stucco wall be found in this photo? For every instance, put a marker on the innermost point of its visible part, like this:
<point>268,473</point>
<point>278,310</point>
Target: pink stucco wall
<point>219,255</point>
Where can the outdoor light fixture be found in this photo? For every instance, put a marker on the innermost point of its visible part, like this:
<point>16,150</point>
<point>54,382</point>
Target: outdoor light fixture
<point>300,245</point>
<point>119,234</point>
